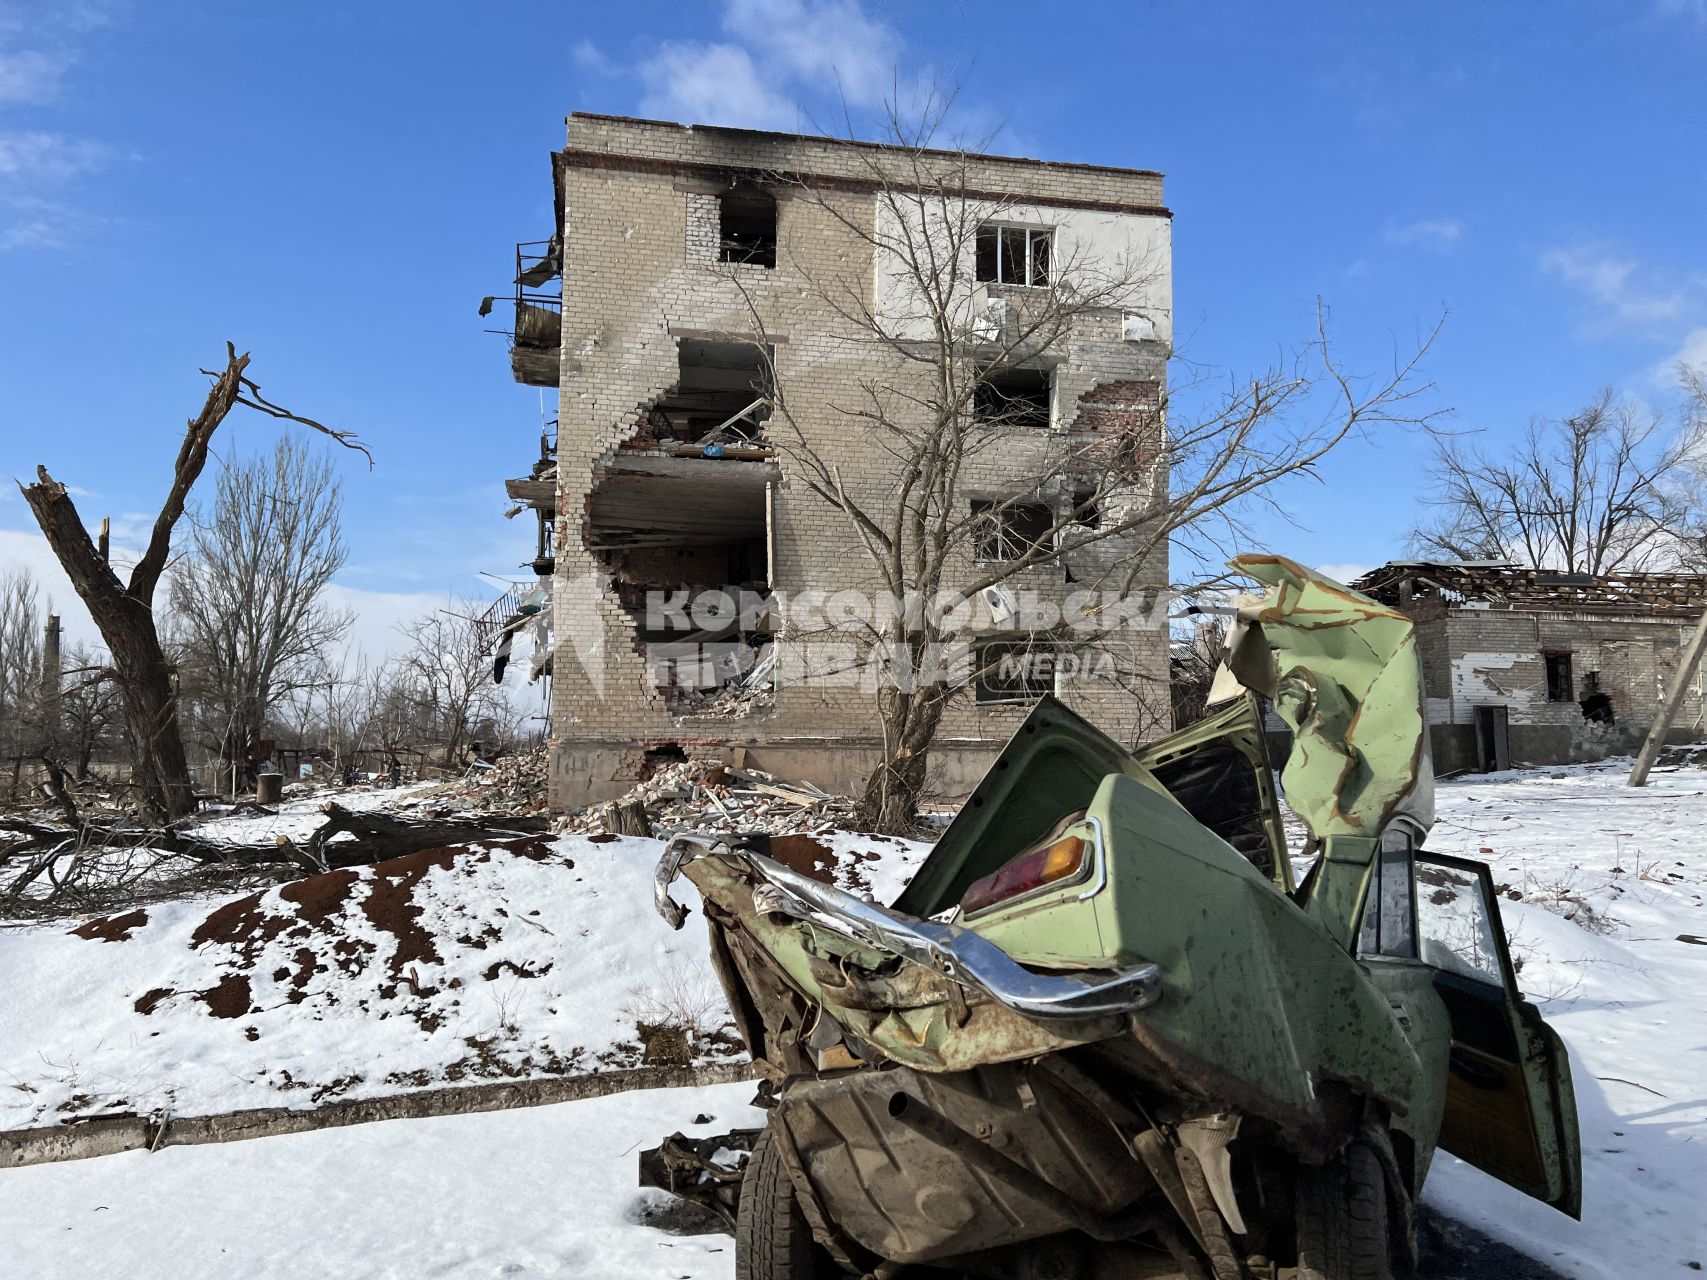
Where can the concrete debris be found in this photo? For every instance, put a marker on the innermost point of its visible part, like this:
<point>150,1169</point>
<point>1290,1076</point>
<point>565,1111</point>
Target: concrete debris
<point>710,797</point>
<point>747,688</point>
<point>725,700</point>
<point>511,784</point>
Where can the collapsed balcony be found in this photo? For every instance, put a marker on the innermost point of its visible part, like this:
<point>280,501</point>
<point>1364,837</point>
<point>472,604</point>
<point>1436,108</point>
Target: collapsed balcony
<point>522,611</point>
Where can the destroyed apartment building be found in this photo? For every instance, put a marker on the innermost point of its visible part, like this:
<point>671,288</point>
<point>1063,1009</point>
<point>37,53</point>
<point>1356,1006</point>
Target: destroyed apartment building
<point>1533,666</point>
<point>679,299</point>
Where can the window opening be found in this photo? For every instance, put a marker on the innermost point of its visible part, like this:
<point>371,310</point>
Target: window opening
<point>1013,255</point>
<point>1007,530</point>
<point>1011,671</point>
<point>1013,397</point>
<point>747,226</point>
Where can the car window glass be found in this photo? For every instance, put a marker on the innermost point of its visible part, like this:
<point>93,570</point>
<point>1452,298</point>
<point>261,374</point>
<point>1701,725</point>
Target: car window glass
<point>1387,920</point>
<point>1455,925</point>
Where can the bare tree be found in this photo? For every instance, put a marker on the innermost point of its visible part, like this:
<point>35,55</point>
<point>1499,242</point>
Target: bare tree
<point>89,721</point>
<point>249,596</point>
<point>1118,479</point>
<point>1194,660</point>
<point>445,679</point>
<point>20,662</point>
<point>1611,488</point>
<point>123,610</point>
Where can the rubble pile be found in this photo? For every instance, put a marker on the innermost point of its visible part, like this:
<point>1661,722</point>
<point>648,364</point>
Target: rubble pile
<point>736,699</point>
<point>512,784</point>
<point>705,796</point>
<point>740,696</point>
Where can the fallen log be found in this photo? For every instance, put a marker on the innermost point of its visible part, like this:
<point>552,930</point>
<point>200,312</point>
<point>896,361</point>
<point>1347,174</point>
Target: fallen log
<point>377,835</point>
<point>371,837</point>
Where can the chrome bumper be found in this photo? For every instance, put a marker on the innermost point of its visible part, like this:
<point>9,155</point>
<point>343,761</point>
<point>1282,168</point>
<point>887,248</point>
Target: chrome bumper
<point>950,950</point>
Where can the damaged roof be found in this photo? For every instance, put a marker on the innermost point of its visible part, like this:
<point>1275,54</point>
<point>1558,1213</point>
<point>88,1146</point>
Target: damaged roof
<point>854,143</point>
<point>1492,584</point>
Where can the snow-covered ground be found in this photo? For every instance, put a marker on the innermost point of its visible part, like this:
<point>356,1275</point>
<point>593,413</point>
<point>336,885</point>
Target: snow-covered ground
<point>525,957</point>
<point>1601,883</point>
<point>542,1192</point>
<point>1610,878</point>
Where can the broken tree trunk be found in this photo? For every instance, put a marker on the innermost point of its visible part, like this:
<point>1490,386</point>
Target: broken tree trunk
<point>124,611</point>
<point>627,818</point>
<point>124,614</point>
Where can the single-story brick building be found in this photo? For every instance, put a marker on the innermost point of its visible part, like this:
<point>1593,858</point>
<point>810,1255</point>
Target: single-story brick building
<point>1533,666</point>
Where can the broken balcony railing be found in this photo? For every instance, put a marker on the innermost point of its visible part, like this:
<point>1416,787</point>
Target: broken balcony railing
<point>537,331</point>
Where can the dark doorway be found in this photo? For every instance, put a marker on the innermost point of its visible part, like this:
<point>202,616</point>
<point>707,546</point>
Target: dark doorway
<point>1493,740</point>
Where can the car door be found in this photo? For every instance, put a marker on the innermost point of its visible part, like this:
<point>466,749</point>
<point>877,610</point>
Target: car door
<point>1510,1109</point>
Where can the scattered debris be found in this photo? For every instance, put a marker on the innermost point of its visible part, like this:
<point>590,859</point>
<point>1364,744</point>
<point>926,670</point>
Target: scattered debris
<point>513,784</point>
<point>710,797</point>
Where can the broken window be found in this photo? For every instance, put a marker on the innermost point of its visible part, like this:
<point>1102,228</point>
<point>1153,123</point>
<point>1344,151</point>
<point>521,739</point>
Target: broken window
<point>1013,255</point>
<point>747,222</point>
<point>1559,675</point>
<point>1013,397</point>
<point>1007,530</point>
<point>1012,671</point>
<point>1389,911</point>
<point>1135,326</point>
<point>1087,510</point>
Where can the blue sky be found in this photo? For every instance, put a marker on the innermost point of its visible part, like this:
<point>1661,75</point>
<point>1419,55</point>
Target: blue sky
<point>334,187</point>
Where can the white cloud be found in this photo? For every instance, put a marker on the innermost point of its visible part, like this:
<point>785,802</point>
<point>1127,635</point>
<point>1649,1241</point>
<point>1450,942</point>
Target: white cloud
<point>34,165</point>
<point>779,53</point>
<point>1692,351</point>
<point>712,84</point>
<point>32,233</point>
<point>1616,281</point>
<point>26,549</point>
<point>29,76</point>
<point>1425,233</point>
<point>588,57</point>
<point>36,156</point>
<point>39,44</point>
<point>374,633</point>
<point>1696,9</point>
<point>820,44</point>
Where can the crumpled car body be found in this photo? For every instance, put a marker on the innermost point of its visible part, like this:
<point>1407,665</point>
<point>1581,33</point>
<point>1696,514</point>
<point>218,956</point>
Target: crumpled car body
<point>1101,1016</point>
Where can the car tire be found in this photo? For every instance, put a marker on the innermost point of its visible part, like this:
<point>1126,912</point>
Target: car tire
<point>1341,1219</point>
<point>772,1239</point>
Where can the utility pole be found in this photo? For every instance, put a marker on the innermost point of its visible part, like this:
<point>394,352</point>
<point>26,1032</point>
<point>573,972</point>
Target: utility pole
<point>1687,661</point>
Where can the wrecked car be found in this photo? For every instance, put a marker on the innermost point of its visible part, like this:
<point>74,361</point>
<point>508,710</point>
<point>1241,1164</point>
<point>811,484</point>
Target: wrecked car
<point>1103,1033</point>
